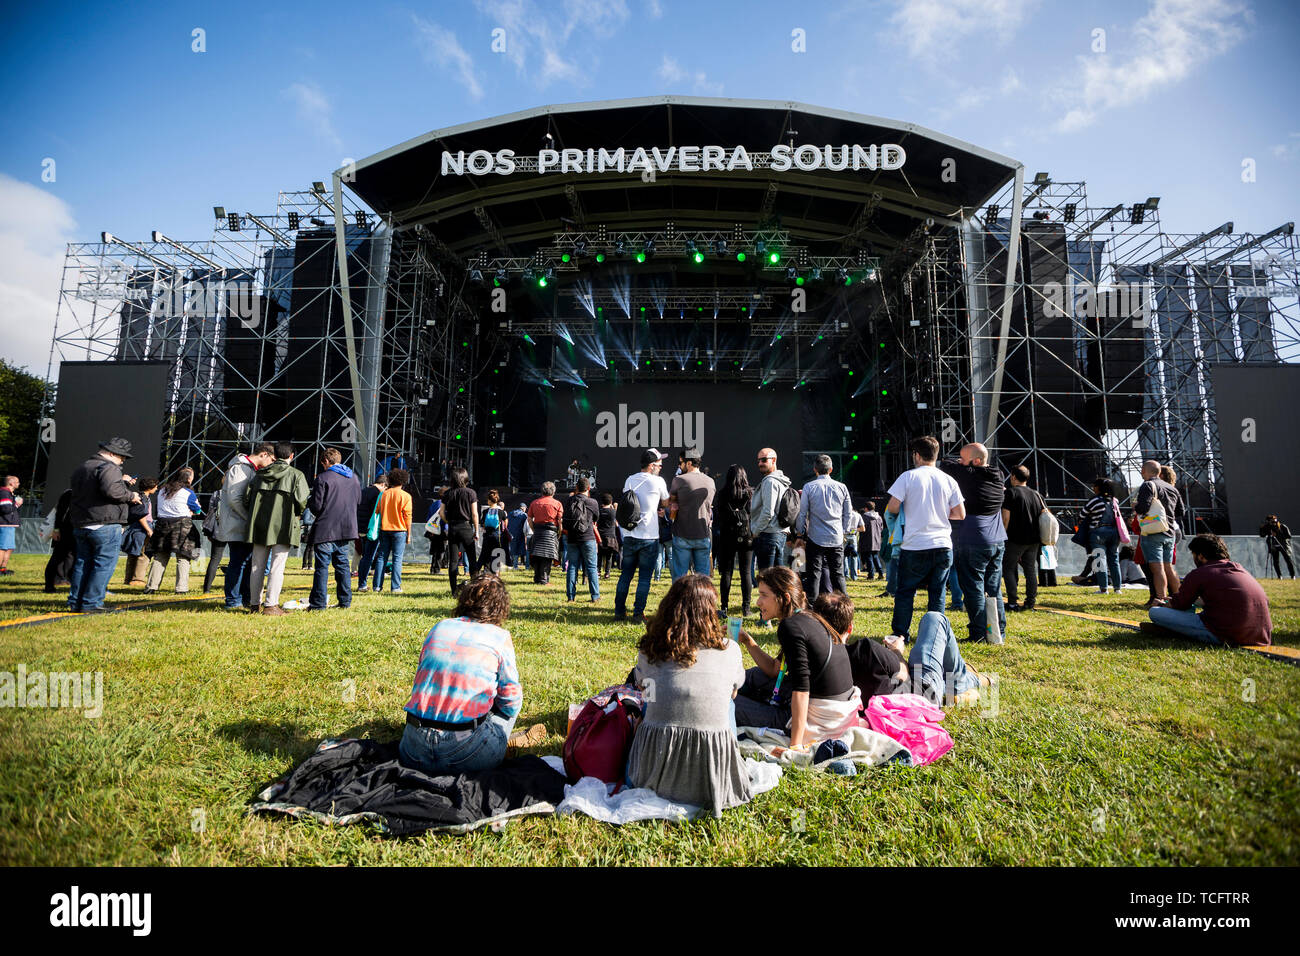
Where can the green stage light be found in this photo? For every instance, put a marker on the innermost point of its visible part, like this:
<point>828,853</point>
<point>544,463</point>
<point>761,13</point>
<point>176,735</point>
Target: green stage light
<point>600,308</point>
<point>848,280</point>
<point>698,257</point>
<point>493,454</point>
<point>740,257</point>
<point>565,258</point>
<point>778,337</point>
<point>774,257</point>
<point>886,441</point>
<point>643,308</point>
<point>461,389</point>
<point>799,280</point>
<point>851,414</point>
<point>850,373</point>
<point>541,283</point>
<point>640,257</point>
<point>457,438</point>
<point>884,391</point>
<point>600,257</point>
<point>494,411</point>
<point>882,345</point>
<point>855,457</point>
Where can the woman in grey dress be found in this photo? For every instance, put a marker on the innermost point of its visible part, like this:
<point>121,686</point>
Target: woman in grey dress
<point>685,749</point>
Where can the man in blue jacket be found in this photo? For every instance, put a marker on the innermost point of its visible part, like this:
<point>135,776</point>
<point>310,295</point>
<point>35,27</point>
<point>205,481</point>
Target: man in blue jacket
<point>335,497</point>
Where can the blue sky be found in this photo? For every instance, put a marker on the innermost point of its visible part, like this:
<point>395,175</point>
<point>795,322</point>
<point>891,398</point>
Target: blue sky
<point>145,133</point>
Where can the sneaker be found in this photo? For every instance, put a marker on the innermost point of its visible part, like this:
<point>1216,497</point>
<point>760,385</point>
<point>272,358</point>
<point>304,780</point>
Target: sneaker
<point>395,591</point>
<point>638,618</point>
<point>362,590</point>
<point>1008,606</point>
<point>272,610</point>
<point>149,591</point>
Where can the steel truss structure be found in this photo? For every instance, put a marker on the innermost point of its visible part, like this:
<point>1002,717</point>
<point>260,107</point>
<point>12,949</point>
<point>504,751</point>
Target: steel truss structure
<point>249,321</point>
<point>1116,325</point>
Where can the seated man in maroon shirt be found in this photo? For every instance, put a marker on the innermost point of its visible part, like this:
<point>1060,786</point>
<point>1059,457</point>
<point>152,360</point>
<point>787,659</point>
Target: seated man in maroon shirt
<point>1236,608</point>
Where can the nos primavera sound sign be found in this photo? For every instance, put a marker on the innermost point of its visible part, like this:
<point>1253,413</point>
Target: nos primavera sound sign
<point>685,159</point>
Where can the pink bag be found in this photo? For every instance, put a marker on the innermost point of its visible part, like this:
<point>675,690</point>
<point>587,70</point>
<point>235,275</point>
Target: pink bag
<point>1119,523</point>
<point>913,721</point>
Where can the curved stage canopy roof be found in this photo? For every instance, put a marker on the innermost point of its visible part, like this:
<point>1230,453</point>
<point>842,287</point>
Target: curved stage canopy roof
<point>448,179</point>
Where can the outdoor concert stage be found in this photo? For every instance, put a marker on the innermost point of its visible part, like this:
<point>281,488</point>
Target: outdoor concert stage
<point>586,280</point>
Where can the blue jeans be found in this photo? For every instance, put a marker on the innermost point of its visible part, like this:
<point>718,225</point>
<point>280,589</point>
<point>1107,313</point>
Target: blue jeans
<point>954,585</point>
<point>1107,539</point>
<point>239,560</point>
<point>584,552</point>
<point>394,543</point>
<point>873,564</point>
<point>665,559</point>
<point>1158,548</point>
<point>1187,623</point>
<point>438,752</point>
<point>936,667</point>
<point>851,566</point>
<point>368,550</point>
<point>929,567</point>
<point>767,549</point>
<point>96,561</point>
<point>325,553</point>
<point>690,554</point>
<point>638,558</point>
<point>518,550</point>
<point>979,573</point>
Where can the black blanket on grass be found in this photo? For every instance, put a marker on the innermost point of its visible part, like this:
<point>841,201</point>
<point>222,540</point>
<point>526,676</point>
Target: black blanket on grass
<point>355,781</point>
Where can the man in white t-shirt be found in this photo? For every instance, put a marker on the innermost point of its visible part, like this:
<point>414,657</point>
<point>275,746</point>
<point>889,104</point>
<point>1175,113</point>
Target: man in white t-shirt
<point>930,500</point>
<point>641,544</point>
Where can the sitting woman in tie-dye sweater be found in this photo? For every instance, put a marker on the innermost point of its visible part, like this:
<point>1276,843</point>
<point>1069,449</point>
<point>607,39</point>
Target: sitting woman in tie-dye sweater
<point>466,695</point>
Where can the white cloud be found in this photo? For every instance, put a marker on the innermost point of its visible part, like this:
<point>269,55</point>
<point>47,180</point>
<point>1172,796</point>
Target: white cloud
<point>973,97</point>
<point>538,35</point>
<point>934,28</point>
<point>654,9</point>
<point>35,227</point>
<point>1285,151</point>
<point>314,110</point>
<point>440,46</point>
<point>670,71</point>
<point>1172,39</point>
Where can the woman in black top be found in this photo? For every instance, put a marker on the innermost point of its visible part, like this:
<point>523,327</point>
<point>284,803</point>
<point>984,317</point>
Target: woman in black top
<point>735,540</point>
<point>808,678</point>
<point>460,512</point>
<point>606,527</point>
<point>1277,538</point>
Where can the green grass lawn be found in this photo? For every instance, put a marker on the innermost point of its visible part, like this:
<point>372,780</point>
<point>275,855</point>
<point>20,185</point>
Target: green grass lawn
<point>1106,747</point>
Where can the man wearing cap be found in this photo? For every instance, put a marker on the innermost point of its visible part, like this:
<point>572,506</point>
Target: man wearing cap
<point>98,513</point>
<point>692,494</point>
<point>641,544</point>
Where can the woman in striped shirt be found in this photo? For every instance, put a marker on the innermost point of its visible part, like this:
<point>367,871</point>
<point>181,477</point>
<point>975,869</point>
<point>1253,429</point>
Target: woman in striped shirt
<point>466,696</point>
<point>1103,534</point>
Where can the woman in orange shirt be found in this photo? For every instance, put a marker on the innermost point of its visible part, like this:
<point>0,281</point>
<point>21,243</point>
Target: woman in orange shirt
<point>395,508</point>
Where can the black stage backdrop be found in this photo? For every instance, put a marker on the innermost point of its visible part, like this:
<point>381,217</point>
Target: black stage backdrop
<point>607,426</point>
<point>1260,444</point>
<point>101,400</point>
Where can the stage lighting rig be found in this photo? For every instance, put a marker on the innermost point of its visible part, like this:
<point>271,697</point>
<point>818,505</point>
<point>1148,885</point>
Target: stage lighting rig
<point>294,221</point>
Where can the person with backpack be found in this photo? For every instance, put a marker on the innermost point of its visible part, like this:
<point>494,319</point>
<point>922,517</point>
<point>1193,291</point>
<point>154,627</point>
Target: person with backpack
<point>607,534</point>
<point>1156,505</point>
<point>1102,513</point>
<point>691,495</point>
<point>643,496</point>
<point>581,513</point>
<point>466,696</point>
<point>171,533</point>
<point>368,521</point>
<point>685,749</point>
<point>735,540</point>
<point>808,687</point>
<point>461,519</point>
<point>770,514</point>
<point>1022,508</point>
<point>492,522</point>
<point>545,519</point>
<point>517,527</point>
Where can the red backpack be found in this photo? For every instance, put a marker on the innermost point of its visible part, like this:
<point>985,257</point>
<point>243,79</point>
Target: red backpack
<point>600,740</point>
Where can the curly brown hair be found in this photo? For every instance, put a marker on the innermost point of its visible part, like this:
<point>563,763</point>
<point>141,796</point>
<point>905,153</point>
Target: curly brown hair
<point>687,620</point>
<point>485,599</point>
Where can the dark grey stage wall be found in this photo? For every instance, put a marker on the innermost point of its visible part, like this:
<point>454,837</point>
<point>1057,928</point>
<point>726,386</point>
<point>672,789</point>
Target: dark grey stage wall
<point>730,422</point>
<point>100,400</point>
<point>1261,476</point>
